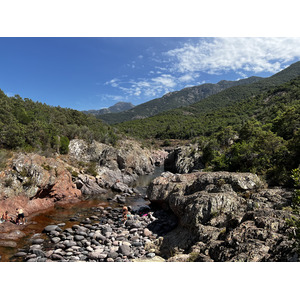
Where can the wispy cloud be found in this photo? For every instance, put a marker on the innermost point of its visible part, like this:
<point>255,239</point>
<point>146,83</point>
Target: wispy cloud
<point>185,65</point>
<point>111,97</point>
<point>113,82</point>
<point>225,54</point>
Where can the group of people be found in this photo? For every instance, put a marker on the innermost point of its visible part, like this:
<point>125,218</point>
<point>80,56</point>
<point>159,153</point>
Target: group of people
<point>20,218</point>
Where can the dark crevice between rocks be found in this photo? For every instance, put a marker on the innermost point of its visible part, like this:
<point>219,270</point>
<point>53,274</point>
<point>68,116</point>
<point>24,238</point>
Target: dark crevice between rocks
<point>44,192</point>
<point>165,222</point>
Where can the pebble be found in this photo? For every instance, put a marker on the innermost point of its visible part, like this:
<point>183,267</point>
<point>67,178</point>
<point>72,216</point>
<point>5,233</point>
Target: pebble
<point>150,255</point>
<point>50,228</point>
<point>37,241</point>
<point>99,238</point>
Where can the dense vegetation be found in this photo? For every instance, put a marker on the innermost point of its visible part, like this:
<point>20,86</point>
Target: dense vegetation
<point>174,100</point>
<point>29,125</point>
<point>204,117</point>
<point>258,134</point>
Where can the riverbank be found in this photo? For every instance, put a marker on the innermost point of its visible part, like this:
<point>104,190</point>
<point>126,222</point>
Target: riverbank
<point>100,237</point>
<point>15,237</point>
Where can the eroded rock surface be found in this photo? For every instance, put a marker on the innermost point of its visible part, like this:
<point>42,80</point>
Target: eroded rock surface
<point>225,217</point>
<point>184,159</point>
<point>35,182</point>
<point>116,167</point>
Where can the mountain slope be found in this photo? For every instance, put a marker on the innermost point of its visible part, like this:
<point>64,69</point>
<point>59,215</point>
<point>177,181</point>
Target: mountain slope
<point>173,100</point>
<point>194,120</point>
<point>116,108</point>
<point>30,126</point>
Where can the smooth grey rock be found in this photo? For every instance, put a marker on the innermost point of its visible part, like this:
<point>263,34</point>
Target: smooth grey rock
<point>38,252</point>
<point>20,254</point>
<point>150,255</point>
<point>37,241</point>
<point>78,237</point>
<point>125,250</point>
<point>50,228</point>
<point>55,240</point>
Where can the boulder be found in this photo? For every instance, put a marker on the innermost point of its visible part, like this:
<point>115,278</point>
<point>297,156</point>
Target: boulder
<point>125,250</point>
<point>128,160</point>
<point>233,215</point>
<point>184,159</point>
<point>88,185</point>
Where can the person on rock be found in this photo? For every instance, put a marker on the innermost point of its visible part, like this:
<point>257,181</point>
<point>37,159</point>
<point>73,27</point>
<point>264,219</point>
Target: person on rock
<point>5,217</point>
<point>126,214</point>
<point>20,216</point>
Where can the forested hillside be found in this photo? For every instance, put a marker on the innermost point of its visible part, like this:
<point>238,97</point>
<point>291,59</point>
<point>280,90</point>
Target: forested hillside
<point>258,134</point>
<point>184,97</point>
<point>29,125</point>
<point>200,118</point>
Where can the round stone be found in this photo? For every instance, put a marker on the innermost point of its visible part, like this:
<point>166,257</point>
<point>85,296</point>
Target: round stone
<point>150,255</point>
<point>50,228</point>
<point>78,237</point>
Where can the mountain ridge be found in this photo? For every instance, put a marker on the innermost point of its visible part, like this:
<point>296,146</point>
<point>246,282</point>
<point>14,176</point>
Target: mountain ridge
<point>189,122</point>
<point>184,97</point>
<point>118,107</point>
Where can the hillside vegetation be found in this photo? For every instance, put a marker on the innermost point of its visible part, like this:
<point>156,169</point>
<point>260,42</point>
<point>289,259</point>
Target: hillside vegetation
<point>116,108</point>
<point>30,126</point>
<point>202,118</point>
<point>260,134</point>
<point>174,100</point>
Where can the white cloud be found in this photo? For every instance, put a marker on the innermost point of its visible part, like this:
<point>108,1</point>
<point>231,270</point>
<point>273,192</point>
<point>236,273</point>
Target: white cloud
<point>113,82</point>
<point>188,77</point>
<point>182,66</point>
<point>111,97</point>
<point>224,54</point>
<point>165,80</point>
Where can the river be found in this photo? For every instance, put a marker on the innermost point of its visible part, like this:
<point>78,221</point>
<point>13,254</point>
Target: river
<point>63,213</point>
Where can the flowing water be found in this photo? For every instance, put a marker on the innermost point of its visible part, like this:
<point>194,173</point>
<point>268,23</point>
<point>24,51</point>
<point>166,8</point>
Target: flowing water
<point>63,213</point>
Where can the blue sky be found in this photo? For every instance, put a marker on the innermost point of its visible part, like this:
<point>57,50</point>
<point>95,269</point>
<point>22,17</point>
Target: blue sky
<point>92,73</point>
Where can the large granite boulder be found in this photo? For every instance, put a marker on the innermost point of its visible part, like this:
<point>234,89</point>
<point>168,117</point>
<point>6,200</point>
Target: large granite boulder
<point>116,167</point>
<point>35,182</point>
<point>184,159</point>
<point>225,217</point>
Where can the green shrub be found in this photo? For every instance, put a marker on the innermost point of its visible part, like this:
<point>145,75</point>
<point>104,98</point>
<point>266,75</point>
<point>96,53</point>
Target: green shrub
<point>4,156</point>
<point>64,145</point>
<point>166,143</point>
<point>74,174</point>
<point>46,167</point>
<point>92,169</point>
<point>29,183</point>
<point>8,182</point>
<point>193,256</point>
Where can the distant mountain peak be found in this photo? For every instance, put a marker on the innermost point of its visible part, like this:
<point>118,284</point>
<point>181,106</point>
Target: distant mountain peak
<point>118,107</point>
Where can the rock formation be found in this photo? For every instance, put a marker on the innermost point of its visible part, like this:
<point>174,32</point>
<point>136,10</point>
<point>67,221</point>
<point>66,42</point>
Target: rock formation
<point>184,159</point>
<point>115,168</point>
<point>225,217</point>
<point>35,182</point>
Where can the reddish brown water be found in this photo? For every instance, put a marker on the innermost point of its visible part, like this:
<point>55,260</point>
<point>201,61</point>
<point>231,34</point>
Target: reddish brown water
<point>58,214</point>
<point>62,214</point>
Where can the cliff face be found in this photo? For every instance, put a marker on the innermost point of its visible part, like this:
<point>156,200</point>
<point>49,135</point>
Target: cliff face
<point>225,217</point>
<point>115,168</point>
<point>34,182</point>
<point>184,159</point>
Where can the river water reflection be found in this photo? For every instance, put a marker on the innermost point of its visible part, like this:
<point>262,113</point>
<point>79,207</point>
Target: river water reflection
<point>63,213</point>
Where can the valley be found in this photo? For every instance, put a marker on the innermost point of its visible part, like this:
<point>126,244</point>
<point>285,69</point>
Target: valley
<point>225,184</point>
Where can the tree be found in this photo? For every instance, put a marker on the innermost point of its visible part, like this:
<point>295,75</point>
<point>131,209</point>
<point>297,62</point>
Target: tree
<point>64,145</point>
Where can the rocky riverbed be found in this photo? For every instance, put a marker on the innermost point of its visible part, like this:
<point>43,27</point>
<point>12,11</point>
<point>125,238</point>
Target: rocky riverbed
<point>102,236</point>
